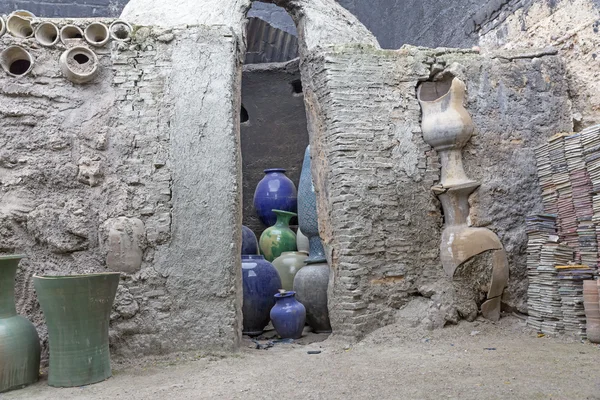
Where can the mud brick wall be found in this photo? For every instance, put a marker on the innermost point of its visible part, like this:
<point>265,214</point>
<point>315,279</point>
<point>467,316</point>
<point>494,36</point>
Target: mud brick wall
<point>378,217</point>
<point>84,167</point>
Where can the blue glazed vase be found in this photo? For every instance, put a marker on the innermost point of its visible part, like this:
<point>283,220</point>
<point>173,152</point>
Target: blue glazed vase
<point>249,242</point>
<point>261,282</point>
<point>307,212</point>
<point>274,191</point>
<point>288,316</point>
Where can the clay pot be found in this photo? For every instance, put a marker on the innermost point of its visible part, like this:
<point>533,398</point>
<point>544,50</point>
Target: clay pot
<point>47,34</point>
<point>308,220</point>
<point>69,33</point>
<point>310,285</point>
<point>97,34</point>
<point>302,243</point>
<point>2,26</point>
<point>120,31</point>
<point>19,341</point>
<point>275,191</point>
<point>19,24</point>
<point>288,264</point>
<point>592,329</point>
<point>16,61</point>
<point>79,64</point>
<point>288,316</point>
<point>260,282</point>
<point>278,238</point>
<point>249,242</point>
<point>77,312</point>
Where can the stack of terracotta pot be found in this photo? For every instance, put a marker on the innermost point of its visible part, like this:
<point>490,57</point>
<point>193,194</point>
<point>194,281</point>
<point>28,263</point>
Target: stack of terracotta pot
<point>592,310</point>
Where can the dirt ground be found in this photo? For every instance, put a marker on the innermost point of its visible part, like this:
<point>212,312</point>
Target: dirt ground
<point>476,360</point>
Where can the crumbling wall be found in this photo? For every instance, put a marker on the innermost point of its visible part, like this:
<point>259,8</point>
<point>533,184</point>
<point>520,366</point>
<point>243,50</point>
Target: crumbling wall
<point>377,215</point>
<point>90,183</point>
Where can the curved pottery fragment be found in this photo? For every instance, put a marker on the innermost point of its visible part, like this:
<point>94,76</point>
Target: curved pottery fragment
<point>77,311</point>
<point>447,127</point>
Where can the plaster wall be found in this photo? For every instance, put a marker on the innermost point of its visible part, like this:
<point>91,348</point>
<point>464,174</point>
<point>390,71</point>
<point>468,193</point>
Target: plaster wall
<point>126,150</point>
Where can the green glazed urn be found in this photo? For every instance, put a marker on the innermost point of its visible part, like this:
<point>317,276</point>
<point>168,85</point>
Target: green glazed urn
<point>77,312</point>
<point>19,341</point>
<point>278,238</point>
<point>288,264</point>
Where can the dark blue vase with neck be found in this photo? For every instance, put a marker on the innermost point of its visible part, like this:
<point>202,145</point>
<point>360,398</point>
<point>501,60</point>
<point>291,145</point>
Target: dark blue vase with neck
<point>261,282</point>
<point>274,191</point>
<point>288,316</point>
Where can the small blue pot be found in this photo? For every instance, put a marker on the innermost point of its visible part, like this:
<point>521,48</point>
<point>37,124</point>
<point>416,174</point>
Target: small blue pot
<point>261,282</point>
<point>249,242</point>
<point>274,191</point>
<point>288,316</point>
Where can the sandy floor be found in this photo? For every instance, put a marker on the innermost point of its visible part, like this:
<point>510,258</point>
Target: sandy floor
<point>469,361</point>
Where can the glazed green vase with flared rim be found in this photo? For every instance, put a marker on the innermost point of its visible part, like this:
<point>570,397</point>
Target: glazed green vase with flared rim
<point>278,238</point>
<point>77,312</point>
<point>19,341</point>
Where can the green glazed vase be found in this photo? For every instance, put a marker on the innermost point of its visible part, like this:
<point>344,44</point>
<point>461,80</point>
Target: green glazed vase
<point>288,264</point>
<point>278,238</point>
<point>77,311</point>
<point>19,341</point>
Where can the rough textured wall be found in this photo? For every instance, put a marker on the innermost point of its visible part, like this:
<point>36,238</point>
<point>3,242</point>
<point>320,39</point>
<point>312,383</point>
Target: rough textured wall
<point>573,27</point>
<point>275,135</point>
<point>377,214</point>
<point>85,166</point>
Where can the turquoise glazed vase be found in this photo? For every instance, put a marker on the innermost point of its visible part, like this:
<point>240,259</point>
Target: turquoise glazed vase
<point>260,282</point>
<point>19,341</point>
<point>307,212</point>
<point>288,316</point>
<point>77,312</point>
<point>278,238</point>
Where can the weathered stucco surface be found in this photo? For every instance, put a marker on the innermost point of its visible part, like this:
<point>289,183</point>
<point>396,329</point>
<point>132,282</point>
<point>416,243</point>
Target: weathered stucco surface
<point>377,214</point>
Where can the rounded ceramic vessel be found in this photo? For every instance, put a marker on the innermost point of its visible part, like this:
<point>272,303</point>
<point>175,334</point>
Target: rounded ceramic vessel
<point>288,316</point>
<point>310,285</point>
<point>77,312</point>
<point>278,238</point>
<point>260,282</point>
<point>274,191</point>
<point>249,242</point>
<point>302,243</point>
<point>308,221</point>
<point>288,264</point>
<point>19,341</point>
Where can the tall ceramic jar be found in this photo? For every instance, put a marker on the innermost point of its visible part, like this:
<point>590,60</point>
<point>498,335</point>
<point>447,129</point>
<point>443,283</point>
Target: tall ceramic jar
<point>249,242</point>
<point>307,212</point>
<point>278,238</point>
<point>19,341</point>
<point>310,285</point>
<point>288,316</point>
<point>274,191</point>
<point>288,264</point>
<point>77,311</point>
<point>260,282</point>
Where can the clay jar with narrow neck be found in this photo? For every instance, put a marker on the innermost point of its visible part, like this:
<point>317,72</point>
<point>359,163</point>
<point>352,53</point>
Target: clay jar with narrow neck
<point>278,238</point>
<point>19,341</point>
<point>310,285</point>
<point>260,283</point>
<point>77,311</point>
<point>288,316</point>
<point>288,264</point>
<point>274,192</point>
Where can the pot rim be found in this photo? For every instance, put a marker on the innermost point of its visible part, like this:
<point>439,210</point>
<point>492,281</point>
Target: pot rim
<point>283,212</point>
<point>57,277</point>
<point>284,295</point>
<point>266,171</point>
<point>12,256</point>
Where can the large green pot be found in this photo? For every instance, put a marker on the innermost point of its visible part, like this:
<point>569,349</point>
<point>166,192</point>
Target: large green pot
<point>19,341</point>
<point>278,238</point>
<point>77,311</point>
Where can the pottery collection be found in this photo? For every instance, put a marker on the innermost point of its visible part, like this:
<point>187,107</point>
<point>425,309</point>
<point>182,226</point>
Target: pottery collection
<point>261,283</point>
<point>278,238</point>
<point>288,264</point>
<point>274,191</point>
<point>288,316</point>
<point>77,312</point>
<point>19,341</point>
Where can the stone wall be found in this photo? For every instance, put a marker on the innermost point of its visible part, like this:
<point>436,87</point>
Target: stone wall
<point>378,217</point>
<point>89,171</point>
<point>275,135</point>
